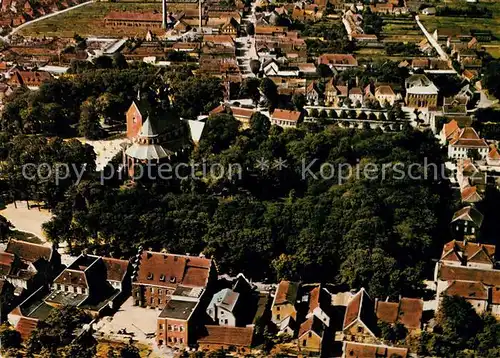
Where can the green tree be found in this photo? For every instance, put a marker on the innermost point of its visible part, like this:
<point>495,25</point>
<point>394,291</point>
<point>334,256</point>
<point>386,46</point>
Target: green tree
<point>299,101</point>
<point>260,124</point>
<point>255,66</point>
<point>90,123</point>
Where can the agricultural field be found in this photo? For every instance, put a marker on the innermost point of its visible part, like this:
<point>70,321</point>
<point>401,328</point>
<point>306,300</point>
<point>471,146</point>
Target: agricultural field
<point>88,20</point>
<point>466,24</point>
<point>400,29</point>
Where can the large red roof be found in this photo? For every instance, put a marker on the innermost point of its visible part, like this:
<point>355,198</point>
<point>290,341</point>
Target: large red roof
<point>168,270</point>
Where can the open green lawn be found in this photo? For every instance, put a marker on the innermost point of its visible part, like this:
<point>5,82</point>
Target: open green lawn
<point>88,20</point>
<point>400,29</point>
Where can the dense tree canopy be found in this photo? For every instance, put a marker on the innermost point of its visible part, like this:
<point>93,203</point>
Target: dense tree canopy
<point>280,221</point>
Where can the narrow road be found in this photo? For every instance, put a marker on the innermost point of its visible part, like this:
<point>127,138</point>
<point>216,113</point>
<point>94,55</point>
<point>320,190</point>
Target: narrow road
<point>432,40</point>
<point>22,26</point>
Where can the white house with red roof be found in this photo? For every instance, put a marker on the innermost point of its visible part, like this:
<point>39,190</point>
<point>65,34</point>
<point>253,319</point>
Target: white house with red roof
<point>464,141</point>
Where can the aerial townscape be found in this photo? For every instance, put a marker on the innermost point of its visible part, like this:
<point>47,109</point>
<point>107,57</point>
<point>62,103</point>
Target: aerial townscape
<point>250,178</point>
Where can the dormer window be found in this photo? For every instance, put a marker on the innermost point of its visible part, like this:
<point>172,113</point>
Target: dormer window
<point>172,279</point>
<point>150,276</point>
<point>162,278</point>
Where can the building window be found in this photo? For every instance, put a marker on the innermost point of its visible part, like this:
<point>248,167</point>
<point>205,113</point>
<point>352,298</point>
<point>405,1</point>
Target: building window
<point>360,329</point>
<point>310,334</point>
<point>181,328</point>
<point>170,339</point>
<point>152,300</point>
<point>304,342</point>
<point>278,316</point>
<point>84,291</point>
<point>66,288</point>
<point>59,286</point>
<point>175,340</point>
<point>169,327</point>
<point>159,292</point>
<point>161,326</point>
<point>181,340</point>
<point>152,290</point>
<point>159,301</point>
<point>175,328</point>
<point>278,308</point>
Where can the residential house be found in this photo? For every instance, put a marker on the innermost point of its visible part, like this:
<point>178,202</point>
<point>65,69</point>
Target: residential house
<point>356,95</point>
<point>176,324</point>
<point>92,283</point>
<point>230,27</point>
<point>28,266</point>
<point>270,67</point>
<point>470,195</point>
<point>385,93</point>
<point>468,174</point>
<point>408,312</point>
<point>360,321</point>
<point>224,308</point>
<point>338,61</point>
<point>312,93</point>
<point>468,254</point>
<point>283,305</point>
<point>493,158</point>
<point>319,305</point>
<point>464,141</point>
<point>243,115</point>
<point>335,94</point>
<point>467,269</point>
<point>364,350</point>
<point>421,92</point>
<point>285,118</point>
<point>311,337</point>
<point>158,275</point>
<point>466,222</point>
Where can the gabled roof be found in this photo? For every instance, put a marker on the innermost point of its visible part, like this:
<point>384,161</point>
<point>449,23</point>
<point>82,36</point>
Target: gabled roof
<point>493,154</point>
<point>286,115</point>
<point>286,293</point>
<point>360,308</point>
<point>225,298</point>
<point>312,324</point>
<point>169,270</point>
<point>229,336</point>
<point>469,290</point>
<point>468,252</point>
<point>384,90</point>
<point>28,251</point>
<point>469,213</point>
<point>470,195</point>
<point>468,137</point>
<point>420,84</point>
<point>407,311</point>
<point>116,269</point>
<point>73,278</point>
<point>461,273</point>
<point>337,59</point>
<point>450,128</point>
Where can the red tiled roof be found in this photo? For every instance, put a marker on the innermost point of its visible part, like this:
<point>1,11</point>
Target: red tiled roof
<point>286,293</point>
<point>408,312</point>
<point>168,270</point>
<point>468,137</point>
<point>470,290</point>
<point>242,112</point>
<point>311,324</point>
<point>384,90</point>
<point>231,336</point>
<point>314,297</point>
<point>352,309</point>
<point>286,115</point>
<point>470,194</point>
<point>28,251</point>
<point>387,311</point>
<point>473,251</point>
<point>493,154</point>
<point>115,269</point>
<point>450,128</point>
<point>337,59</point>
<point>460,273</point>
<point>25,326</point>
<point>363,350</point>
